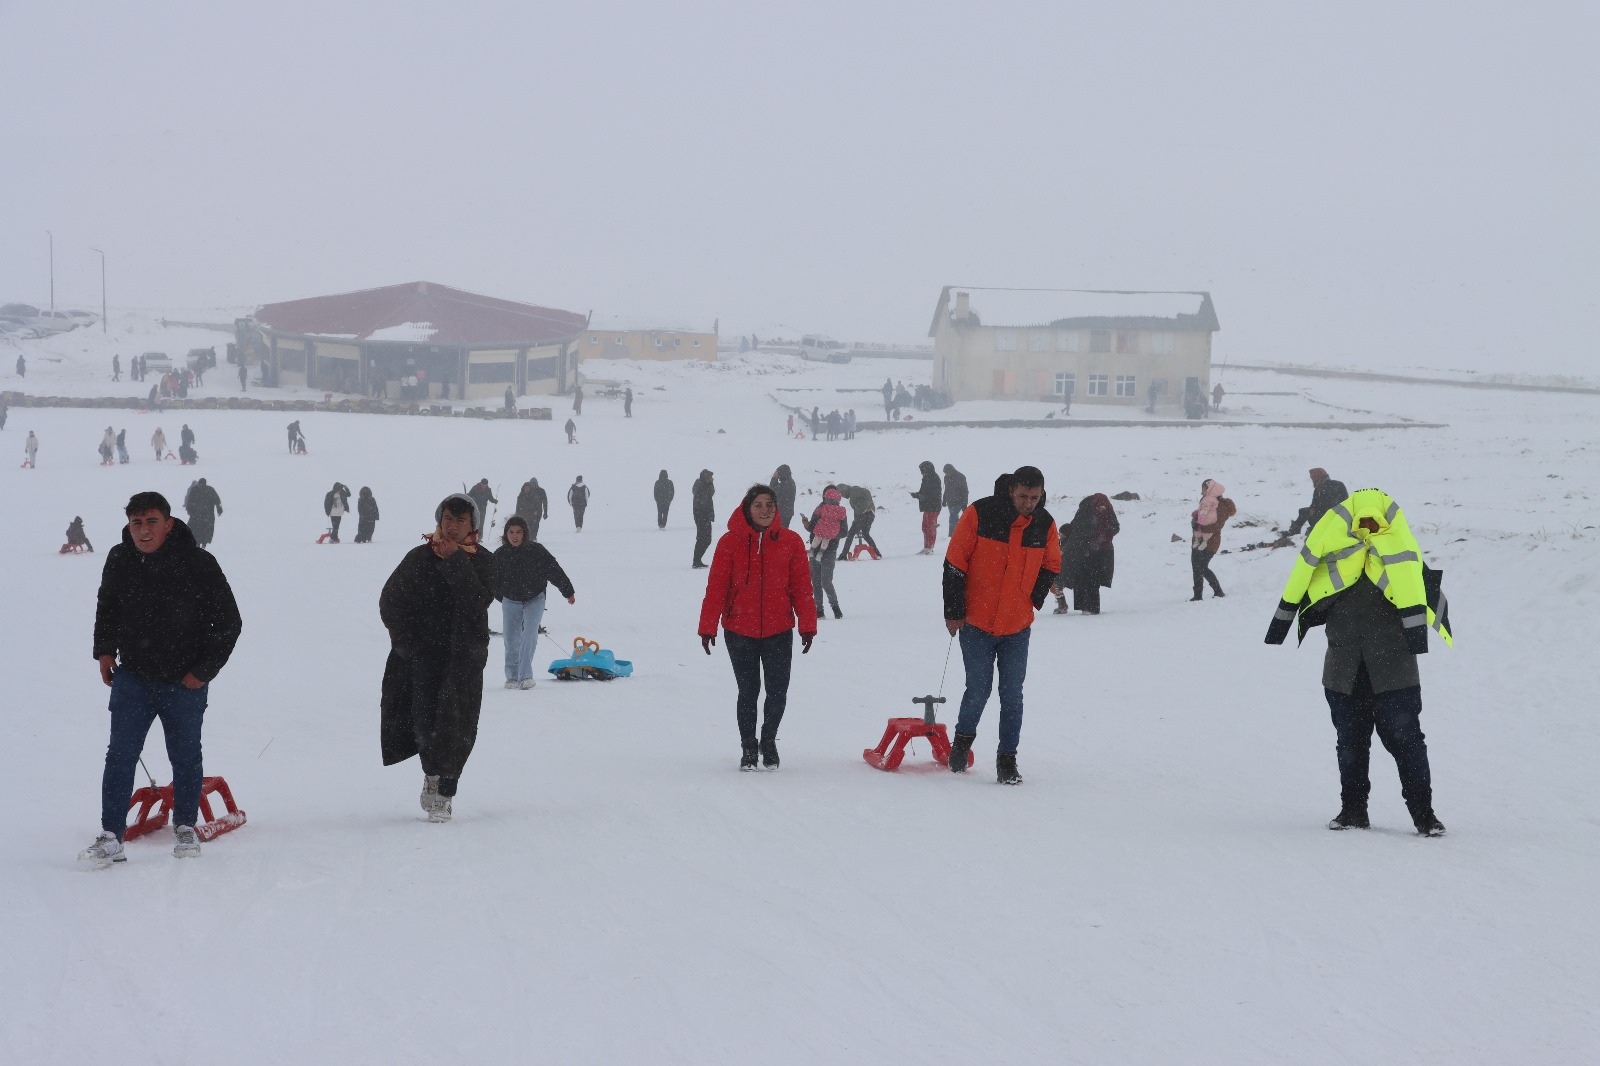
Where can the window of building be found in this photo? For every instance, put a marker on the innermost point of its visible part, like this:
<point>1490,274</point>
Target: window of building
<point>1161,343</point>
<point>1067,340</point>
<point>677,342</point>
<point>1098,383</point>
<point>696,343</point>
<point>1005,340</point>
<point>1127,385</point>
<point>491,373</point>
<point>658,342</point>
<point>1066,384</point>
<point>1038,340</point>
<point>1127,341</point>
<point>593,339</point>
<point>1099,340</point>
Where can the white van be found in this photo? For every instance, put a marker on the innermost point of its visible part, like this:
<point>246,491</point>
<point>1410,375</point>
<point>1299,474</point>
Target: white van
<point>823,349</point>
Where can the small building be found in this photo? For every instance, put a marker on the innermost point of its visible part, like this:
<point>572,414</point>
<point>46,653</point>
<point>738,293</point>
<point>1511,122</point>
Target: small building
<point>1094,346</point>
<point>452,343</point>
<point>614,338</point>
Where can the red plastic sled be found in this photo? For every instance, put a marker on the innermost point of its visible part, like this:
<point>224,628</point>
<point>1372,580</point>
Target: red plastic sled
<point>155,809</point>
<point>855,553</point>
<point>891,750</point>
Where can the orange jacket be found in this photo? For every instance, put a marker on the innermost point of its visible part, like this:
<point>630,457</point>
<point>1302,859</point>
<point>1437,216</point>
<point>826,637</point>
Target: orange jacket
<point>999,566</point>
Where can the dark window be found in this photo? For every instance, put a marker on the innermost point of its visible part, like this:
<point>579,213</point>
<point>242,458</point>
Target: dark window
<point>1099,340</point>
<point>292,359</point>
<point>543,368</point>
<point>491,373</point>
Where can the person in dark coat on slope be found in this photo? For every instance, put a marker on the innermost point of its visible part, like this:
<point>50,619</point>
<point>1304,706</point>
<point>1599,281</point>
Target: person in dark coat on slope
<point>483,496</point>
<point>758,586</point>
<point>435,607</point>
<point>955,495</point>
<point>202,504</point>
<point>578,497</point>
<point>523,569</point>
<point>572,431</point>
<point>76,537</point>
<point>783,484</point>
<point>705,513</point>
<point>366,516</point>
<point>664,491</point>
<point>533,505</point>
<point>1088,560</point>
<point>1325,492</point>
<point>164,626</point>
<point>929,499</point>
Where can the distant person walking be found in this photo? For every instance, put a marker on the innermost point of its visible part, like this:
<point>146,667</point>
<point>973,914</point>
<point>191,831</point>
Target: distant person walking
<point>158,441</point>
<point>955,495</point>
<point>1325,492</point>
<point>663,492</point>
<point>366,516</point>
<point>336,504</point>
<point>1216,397</point>
<point>997,571</point>
<point>572,431</point>
<point>627,402</point>
<point>116,368</point>
<point>929,499</point>
<point>704,511</point>
<point>1088,560</point>
<point>533,504</point>
<point>816,422</point>
<point>202,504</point>
<point>577,400</point>
<point>244,375</point>
<point>1205,523</point>
<point>30,448</point>
<point>578,497</point>
<point>523,570</point>
<point>783,485</point>
<point>22,366</point>
<point>483,496</point>
<point>826,525</point>
<point>122,446</point>
<point>297,439</point>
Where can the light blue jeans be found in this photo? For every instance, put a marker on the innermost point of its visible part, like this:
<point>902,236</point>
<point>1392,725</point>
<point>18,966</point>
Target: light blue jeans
<point>520,630</point>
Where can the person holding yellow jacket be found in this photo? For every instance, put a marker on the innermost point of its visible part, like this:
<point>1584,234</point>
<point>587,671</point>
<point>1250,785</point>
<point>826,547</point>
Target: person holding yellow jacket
<point>1361,573</point>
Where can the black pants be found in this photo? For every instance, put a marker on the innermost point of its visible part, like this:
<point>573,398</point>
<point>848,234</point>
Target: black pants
<point>861,527</point>
<point>661,514</point>
<point>364,529</point>
<point>335,520</point>
<point>822,563</point>
<point>533,525</point>
<point>427,678</point>
<point>755,658</point>
<point>577,516</point>
<point>1086,597</point>
<point>702,538</point>
<point>1200,563</point>
<point>1396,716</point>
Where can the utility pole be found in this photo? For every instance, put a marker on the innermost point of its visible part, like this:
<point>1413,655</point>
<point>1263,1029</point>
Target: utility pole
<point>102,289</point>
<point>52,237</point>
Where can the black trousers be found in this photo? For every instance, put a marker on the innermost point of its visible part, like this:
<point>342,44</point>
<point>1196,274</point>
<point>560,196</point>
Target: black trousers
<point>754,658</point>
<point>702,537</point>
<point>1396,716</point>
<point>661,514</point>
<point>334,518</point>
<point>1086,597</point>
<point>1200,563</point>
<point>577,517</point>
<point>533,525</point>
<point>861,527</point>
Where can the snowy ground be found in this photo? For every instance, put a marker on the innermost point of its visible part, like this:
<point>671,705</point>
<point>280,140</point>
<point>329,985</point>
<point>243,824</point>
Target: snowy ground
<point>613,890</point>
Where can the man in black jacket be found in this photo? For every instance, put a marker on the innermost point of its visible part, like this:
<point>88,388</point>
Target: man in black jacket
<point>928,497</point>
<point>164,626</point>
<point>955,495</point>
<point>704,514</point>
<point>664,491</point>
<point>1325,492</point>
<point>783,484</point>
<point>202,504</point>
<point>533,504</point>
<point>435,607</point>
<point>523,569</point>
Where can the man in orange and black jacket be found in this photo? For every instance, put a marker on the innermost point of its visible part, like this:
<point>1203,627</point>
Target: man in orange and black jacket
<point>999,567</point>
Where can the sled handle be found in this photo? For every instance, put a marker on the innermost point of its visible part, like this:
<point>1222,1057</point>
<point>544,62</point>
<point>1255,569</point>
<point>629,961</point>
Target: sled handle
<point>584,644</point>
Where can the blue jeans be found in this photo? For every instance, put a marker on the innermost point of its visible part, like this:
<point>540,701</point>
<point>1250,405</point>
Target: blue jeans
<point>980,651</point>
<point>520,630</point>
<point>136,702</point>
<point>753,657</point>
<point>1396,716</point>
<point>955,516</point>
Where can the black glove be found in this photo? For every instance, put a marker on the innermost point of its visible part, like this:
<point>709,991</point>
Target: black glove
<point>805,642</point>
<point>1281,621</point>
<point>706,642</point>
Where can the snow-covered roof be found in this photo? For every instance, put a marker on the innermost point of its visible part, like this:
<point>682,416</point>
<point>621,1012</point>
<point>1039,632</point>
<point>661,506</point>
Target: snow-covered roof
<point>416,332</point>
<point>1086,307</point>
<point>403,313</point>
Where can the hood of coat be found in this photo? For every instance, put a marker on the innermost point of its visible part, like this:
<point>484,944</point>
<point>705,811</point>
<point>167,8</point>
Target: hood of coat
<point>705,475</point>
<point>1213,490</point>
<point>831,495</point>
<point>663,476</point>
<point>739,522</point>
<point>477,517</point>
<point>782,473</point>
<point>926,468</point>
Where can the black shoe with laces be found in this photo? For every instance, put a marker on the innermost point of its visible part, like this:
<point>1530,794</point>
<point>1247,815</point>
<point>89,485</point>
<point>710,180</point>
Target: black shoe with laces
<point>1005,767</point>
<point>960,748</point>
<point>1427,823</point>
<point>769,754</point>
<point>1350,817</point>
<point>747,761</point>
<point>836,612</point>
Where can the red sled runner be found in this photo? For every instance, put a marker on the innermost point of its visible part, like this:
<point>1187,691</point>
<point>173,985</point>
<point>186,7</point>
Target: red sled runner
<point>891,750</point>
<point>155,809</point>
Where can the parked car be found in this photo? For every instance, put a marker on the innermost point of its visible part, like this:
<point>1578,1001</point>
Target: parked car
<point>822,349</point>
<point>157,362</point>
<point>201,358</point>
<point>83,318</point>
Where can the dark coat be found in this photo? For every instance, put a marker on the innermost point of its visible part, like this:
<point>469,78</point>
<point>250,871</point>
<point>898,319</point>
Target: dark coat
<point>328,498</point>
<point>482,497</point>
<point>533,502</point>
<point>366,515</point>
<point>1326,493</point>
<point>931,492</point>
<point>578,496</point>
<point>664,490</point>
<point>186,437</point>
<point>703,491</point>
<point>203,505</point>
<point>436,613</point>
<point>168,613</point>
<point>955,488</point>
<point>1087,555</point>
<point>523,572</point>
<point>784,487</point>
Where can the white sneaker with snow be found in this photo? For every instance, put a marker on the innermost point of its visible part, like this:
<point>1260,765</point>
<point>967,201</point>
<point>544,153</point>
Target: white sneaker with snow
<point>186,842</point>
<point>105,850</point>
<point>528,682</point>
<point>513,684</point>
<point>430,792</point>
<point>440,811</point>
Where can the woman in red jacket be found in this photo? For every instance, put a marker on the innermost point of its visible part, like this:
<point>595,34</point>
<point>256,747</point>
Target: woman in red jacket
<point>759,583</point>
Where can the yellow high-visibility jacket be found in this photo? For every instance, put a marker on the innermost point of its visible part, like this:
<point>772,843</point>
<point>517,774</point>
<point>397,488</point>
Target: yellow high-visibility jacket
<point>1339,552</point>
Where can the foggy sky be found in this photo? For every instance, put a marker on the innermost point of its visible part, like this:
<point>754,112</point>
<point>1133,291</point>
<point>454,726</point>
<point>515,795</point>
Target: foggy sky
<point>1379,183</point>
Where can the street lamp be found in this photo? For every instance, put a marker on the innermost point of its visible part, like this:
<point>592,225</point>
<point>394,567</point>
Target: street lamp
<point>52,237</point>
<point>102,289</point>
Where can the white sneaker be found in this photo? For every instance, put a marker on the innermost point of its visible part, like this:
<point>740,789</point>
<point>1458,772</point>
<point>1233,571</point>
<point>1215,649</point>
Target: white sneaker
<point>528,682</point>
<point>513,684</point>
<point>105,850</point>
<point>430,792</point>
<point>187,842</point>
<point>440,811</point>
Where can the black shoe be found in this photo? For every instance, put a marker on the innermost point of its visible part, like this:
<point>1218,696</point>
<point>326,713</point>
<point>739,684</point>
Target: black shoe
<point>820,613</point>
<point>1427,823</point>
<point>1005,768</point>
<point>1218,594</point>
<point>747,761</point>
<point>836,612</point>
<point>1350,817</point>
<point>1195,598</point>
<point>698,565</point>
<point>769,754</point>
<point>959,751</point>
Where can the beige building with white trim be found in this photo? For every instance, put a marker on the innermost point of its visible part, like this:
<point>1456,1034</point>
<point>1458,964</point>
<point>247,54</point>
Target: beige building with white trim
<point>609,339</point>
<point>1097,347</point>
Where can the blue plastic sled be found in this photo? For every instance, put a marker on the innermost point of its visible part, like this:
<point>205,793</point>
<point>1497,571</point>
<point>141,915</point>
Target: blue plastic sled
<point>590,660</point>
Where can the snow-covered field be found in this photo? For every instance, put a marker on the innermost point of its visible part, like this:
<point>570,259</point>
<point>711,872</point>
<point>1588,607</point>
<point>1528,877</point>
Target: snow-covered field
<point>612,890</point>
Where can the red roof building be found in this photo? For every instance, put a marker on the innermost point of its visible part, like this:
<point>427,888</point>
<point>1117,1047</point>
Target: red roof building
<point>455,344</point>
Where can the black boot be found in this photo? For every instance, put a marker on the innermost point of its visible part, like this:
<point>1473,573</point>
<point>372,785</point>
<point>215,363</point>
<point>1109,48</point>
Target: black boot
<point>1351,816</point>
<point>1005,767</point>
<point>747,760</point>
<point>959,751</point>
<point>836,612</point>
<point>1427,823</point>
<point>769,754</point>
<point>819,612</point>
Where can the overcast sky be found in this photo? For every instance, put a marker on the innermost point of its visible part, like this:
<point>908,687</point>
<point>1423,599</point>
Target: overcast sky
<point>1380,183</point>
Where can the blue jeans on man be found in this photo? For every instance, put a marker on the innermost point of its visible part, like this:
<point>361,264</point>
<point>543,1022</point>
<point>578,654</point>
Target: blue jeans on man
<point>520,629</point>
<point>1396,717</point>
<point>136,702</point>
<point>955,516</point>
<point>980,652</point>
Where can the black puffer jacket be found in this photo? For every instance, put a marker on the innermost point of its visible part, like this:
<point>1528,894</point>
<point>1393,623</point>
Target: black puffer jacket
<point>521,573</point>
<point>664,490</point>
<point>703,491</point>
<point>168,613</point>
<point>955,488</point>
<point>783,485</point>
<point>931,492</point>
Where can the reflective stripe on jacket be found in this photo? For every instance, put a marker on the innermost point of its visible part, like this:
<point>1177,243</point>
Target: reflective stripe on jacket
<point>1338,552</point>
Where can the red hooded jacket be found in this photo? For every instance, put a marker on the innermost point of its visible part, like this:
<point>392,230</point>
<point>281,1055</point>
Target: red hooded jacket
<point>759,582</point>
